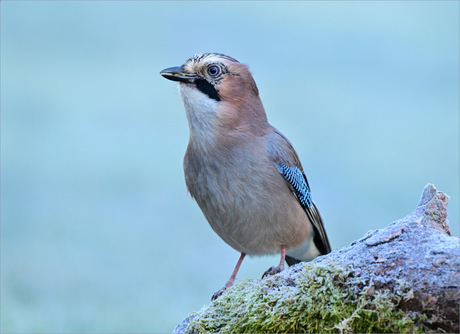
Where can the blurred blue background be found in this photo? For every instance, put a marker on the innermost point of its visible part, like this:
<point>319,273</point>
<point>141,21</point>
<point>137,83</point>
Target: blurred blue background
<point>98,234</point>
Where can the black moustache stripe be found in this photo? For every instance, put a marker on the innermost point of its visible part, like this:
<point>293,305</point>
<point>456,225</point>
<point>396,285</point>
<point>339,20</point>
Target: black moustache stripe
<point>208,89</point>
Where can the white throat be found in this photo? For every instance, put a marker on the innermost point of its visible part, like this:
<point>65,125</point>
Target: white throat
<point>201,114</point>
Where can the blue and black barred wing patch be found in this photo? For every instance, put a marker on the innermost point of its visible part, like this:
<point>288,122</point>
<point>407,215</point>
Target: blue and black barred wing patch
<point>301,189</point>
<point>298,181</point>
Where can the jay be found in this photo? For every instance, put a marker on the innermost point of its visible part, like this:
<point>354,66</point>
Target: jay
<point>244,174</point>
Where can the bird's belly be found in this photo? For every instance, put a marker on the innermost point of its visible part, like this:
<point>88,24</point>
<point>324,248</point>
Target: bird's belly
<point>252,213</point>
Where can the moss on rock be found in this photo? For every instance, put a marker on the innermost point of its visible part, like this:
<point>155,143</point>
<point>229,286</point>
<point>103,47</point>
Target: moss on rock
<point>325,297</point>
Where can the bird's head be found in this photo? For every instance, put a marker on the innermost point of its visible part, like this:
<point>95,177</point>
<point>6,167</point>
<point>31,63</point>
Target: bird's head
<point>216,76</point>
<point>214,86</point>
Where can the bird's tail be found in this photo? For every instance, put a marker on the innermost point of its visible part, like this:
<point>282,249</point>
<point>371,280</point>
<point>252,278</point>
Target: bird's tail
<point>318,245</point>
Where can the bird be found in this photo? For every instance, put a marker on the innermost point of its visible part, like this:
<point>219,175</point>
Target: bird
<point>244,174</point>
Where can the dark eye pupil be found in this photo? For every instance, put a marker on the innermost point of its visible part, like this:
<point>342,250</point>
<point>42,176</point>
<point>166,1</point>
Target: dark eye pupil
<point>213,70</point>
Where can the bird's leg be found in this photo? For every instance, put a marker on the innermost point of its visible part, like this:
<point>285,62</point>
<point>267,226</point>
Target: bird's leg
<point>231,280</point>
<point>280,268</point>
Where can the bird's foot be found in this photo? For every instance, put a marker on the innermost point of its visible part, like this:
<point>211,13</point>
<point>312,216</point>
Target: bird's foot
<point>273,271</point>
<point>219,293</point>
<point>231,280</point>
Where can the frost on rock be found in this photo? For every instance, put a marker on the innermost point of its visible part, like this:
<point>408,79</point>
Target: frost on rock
<point>403,278</point>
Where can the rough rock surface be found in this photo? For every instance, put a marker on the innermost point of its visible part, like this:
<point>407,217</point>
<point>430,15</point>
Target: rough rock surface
<point>403,278</point>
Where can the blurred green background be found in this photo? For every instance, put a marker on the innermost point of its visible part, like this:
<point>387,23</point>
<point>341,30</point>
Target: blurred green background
<point>98,234</point>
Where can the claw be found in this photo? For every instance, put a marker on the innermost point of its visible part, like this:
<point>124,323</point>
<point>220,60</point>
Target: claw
<point>273,271</point>
<point>276,270</point>
<point>218,293</point>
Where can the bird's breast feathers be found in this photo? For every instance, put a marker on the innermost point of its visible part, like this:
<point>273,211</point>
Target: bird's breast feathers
<point>244,198</point>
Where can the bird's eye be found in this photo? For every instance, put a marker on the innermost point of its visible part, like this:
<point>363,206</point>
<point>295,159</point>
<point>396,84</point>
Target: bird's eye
<point>213,70</point>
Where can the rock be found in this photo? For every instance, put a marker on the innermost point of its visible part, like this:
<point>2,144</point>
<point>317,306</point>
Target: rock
<point>402,278</point>
<point>182,327</point>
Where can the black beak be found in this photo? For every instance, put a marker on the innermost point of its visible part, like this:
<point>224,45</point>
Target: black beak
<point>177,74</point>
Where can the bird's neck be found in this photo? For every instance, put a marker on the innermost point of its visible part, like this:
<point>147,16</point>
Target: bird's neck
<point>222,124</point>
<point>243,116</point>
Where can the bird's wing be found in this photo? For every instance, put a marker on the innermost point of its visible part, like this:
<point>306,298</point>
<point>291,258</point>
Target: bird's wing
<point>286,160</point>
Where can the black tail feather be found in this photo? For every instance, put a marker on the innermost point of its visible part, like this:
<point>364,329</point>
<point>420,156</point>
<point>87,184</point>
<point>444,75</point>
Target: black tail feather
<point>291,261</point>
